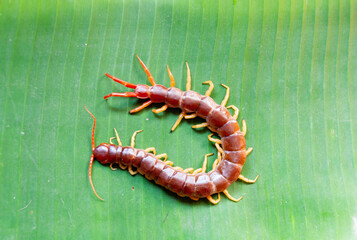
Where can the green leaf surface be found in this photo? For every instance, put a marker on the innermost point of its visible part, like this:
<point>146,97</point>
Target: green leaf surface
<point>291,67</point>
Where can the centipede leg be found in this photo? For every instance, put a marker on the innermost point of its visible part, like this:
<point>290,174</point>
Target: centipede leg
<point>220,150</point>
<point>188,87</point>
<point>218,160</point>
<point>246,180</point>
<point>162,155</point>
<point>130,170</point>
<point>210,138</point>
<point>112,168</point>
<point>236,111</point>
<point>172,84</point>
<point>132,142</point>
<point>210,88</point>
<point>244,127</point>
<point>151,149</point>
<point>204,124</point>
<point>151,78</point>
<point>179,119</point>
<point>122,166</point>
<point>110,140</point>
<point>188,170</point>
<point>178,168</point>
<point>141,107</point>
<point>225,99</point>
<point>214,201</point>
<point>117,136</point>
<point>250,149</point>
<point>204,165</point>
<point>232,198</point>
<point>162,109</point>
<point>191,116</point>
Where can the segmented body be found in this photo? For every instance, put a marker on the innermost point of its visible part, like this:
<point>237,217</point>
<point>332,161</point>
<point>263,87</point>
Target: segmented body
<point>218,119</point>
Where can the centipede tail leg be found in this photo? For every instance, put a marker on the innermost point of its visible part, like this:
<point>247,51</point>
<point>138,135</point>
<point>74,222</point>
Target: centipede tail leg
<point>246,180</point>
<point>214,201</point>
<point>232,198</point>
<point>92,156</point>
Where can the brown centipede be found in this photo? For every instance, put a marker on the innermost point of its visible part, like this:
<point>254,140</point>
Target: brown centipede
<point>197,184</point>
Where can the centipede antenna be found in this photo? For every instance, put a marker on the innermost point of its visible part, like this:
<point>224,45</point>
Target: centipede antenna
<point>92,157</point>
<point>151,78</point>
<point>126,84</point>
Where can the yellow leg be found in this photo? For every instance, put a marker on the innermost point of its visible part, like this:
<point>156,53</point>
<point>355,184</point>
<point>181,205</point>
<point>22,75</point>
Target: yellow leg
<point>178,168</point>
<point>118,139</point>
<point>172,83</point>
<point>225,99</point>
<point>213,139</point>
<point>232,198</point>
<point>200,125</point>
<point>191,116</point>
<point>194,198</point>
<point>219,148</point>
<point>131,171</point>
<point>188,170</point>
<point>169,163</point>
<point>214,201</point>
<point>112,168</point>
<point>249,151</point>
<point>246,180</point>
<point>122,166</point>
<point>179,119</point>
<point>188,87</point>
<point>188,84</point>
<point>162,155</point>
<point>210,88</point>
<point>244,127</point>
<point>217,161</point>
<point>204,166</point>
<point>132,142</point>
<point>110,140</point>
<point>151,149</point>
<point>236,111</point>
<point>159,110</point>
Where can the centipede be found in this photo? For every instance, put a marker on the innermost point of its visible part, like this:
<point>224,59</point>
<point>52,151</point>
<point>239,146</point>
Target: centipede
<point>195,184</point>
